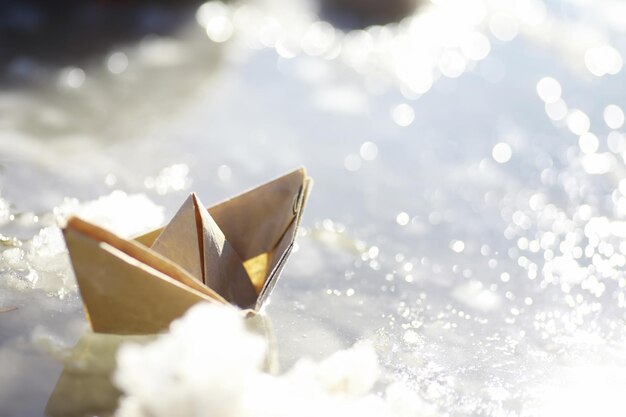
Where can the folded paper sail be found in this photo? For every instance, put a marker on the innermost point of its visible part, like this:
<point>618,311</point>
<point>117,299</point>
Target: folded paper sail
<point>231,253</point>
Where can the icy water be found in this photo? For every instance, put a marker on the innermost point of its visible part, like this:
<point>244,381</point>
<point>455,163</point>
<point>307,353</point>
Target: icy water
<point>468,212</point>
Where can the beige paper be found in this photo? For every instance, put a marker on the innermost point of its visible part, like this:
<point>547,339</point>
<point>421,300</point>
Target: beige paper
<point>257,269</point>
<point>231,253</point>
<point>209,256</point>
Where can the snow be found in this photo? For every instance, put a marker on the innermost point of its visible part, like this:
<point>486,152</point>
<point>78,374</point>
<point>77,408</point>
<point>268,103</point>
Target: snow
<point>43,261</point>
<point>467,220</point>
<point>209,364</point>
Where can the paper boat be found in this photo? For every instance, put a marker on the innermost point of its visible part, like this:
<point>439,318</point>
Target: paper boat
<point>230,253</point>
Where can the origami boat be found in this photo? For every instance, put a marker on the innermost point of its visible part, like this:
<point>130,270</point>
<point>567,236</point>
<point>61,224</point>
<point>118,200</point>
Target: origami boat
<point>230,253</point>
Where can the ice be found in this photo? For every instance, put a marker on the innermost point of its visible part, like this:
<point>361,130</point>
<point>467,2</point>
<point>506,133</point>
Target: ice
<point>352,372</point>
<point>14,258</point>
<point>209,364</point>
<point>479,243</point>
<point>48,257</point>
<point>193,368</point>
<point>43,261</point>
<point>122,213</point>
<point>4,211</point>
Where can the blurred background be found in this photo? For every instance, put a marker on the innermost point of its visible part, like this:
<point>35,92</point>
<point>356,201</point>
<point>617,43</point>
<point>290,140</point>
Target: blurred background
<point>468,213</point>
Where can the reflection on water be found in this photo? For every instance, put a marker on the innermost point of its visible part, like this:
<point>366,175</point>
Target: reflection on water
<point>85,385</point>
<point>468,213</point>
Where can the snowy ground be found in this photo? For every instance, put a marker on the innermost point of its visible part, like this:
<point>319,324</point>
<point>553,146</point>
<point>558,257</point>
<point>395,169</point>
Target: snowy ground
<point>468,217</point>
